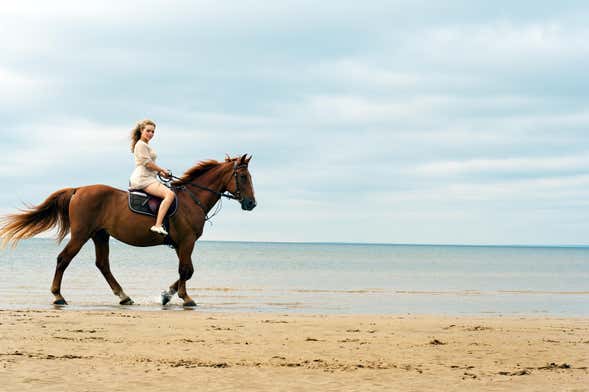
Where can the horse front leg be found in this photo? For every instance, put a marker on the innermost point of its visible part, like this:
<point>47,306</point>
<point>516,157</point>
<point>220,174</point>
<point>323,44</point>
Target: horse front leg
<point>185,269</point>
<point>167,295</point>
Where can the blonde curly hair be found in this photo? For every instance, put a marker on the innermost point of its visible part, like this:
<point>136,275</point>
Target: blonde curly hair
<point>136,132</point>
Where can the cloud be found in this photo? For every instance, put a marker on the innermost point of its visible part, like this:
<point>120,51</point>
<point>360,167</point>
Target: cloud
<point>47,148</point>
<point>20,93</point>
<point>371,122</point>
<point>510,165</point>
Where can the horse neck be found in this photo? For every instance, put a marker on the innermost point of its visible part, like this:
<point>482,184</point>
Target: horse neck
<point>215,179</point>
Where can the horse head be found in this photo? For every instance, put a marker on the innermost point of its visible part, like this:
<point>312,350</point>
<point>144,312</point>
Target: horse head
<point>240,185</point>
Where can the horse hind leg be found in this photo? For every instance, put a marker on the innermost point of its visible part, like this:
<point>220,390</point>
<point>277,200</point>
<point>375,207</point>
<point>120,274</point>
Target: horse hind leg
<point>100,240</point>
<point>63,261</point>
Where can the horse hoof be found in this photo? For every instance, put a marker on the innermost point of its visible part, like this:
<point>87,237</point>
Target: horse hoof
<point>189,304</point>
<point>126,301</point>
<point>166,297</point>
<point>59,302</point>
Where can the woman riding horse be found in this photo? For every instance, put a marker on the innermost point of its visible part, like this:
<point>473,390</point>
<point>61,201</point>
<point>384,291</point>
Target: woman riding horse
<point>144,175</point>
<point>99,211</point>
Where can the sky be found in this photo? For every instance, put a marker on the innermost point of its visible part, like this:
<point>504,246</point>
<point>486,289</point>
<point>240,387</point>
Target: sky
<point>455,122</point>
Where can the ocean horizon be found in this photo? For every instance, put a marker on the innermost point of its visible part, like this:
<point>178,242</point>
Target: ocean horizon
<point>314,277</point>
<point>514,245</point>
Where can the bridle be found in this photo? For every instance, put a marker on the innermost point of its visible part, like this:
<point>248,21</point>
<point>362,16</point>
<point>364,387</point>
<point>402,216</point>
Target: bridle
<point>237,193</point>
<point>235,196</point>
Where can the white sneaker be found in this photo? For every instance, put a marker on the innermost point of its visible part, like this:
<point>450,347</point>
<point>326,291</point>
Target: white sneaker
<point>159,230</point>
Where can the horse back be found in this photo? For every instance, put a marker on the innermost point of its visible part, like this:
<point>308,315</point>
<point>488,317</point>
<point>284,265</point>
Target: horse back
<point>95,206</point>
<point>102,207</point>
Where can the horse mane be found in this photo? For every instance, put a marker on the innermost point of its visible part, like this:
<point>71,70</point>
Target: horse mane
<point>199,169</point>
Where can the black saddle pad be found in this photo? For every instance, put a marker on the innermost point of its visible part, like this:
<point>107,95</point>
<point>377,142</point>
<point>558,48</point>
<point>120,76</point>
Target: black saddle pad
<point>143,203</point>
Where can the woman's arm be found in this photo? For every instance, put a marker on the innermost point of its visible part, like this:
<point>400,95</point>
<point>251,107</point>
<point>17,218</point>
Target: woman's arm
<point>142,157</point>
<point>152,166</point>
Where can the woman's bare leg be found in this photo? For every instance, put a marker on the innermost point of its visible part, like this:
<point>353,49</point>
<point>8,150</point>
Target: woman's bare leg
<point>166,194</point>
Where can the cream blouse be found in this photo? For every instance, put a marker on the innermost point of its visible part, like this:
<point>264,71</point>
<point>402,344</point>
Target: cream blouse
<point>143,176</point>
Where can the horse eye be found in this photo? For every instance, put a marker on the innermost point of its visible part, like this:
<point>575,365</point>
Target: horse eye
<point>243,177</point>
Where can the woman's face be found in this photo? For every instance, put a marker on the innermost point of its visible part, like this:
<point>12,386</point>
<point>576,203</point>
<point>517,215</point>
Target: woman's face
<point>147,132</point>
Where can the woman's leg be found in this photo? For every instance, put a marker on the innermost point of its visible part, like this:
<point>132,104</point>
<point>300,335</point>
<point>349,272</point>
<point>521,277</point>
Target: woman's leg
<point>159,190</point>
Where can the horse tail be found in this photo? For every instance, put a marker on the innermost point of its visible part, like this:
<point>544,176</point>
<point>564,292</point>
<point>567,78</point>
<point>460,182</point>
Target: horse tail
<point>54,211</point>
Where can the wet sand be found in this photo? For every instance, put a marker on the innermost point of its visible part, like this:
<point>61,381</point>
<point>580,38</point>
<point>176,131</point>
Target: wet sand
<point>122,350</point>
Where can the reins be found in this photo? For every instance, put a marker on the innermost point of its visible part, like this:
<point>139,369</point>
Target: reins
<point>220,194</point>
<point>237,196</point>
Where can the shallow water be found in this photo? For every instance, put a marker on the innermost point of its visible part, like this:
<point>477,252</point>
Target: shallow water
<point>313,278</point>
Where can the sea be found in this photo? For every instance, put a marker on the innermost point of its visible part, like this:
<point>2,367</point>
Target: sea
<point>313,278</point>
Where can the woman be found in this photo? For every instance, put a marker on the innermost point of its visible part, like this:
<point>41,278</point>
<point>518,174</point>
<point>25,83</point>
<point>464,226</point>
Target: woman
<point>144,175</point>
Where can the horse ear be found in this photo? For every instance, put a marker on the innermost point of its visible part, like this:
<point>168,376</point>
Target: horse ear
<point>242,159</point>
<point>227,157</point>
<point>247,160</point>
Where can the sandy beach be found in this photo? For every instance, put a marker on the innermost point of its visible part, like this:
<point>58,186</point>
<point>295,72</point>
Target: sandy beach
<point>121,350</point>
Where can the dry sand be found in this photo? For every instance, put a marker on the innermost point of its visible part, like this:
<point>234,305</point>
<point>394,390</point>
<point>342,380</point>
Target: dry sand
<point>123,350</point>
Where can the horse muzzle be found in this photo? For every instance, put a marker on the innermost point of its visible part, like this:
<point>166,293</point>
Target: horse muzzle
<point>248,204</point>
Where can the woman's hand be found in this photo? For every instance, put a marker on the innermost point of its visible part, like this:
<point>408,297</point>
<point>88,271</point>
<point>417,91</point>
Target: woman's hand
<point>165,173</point>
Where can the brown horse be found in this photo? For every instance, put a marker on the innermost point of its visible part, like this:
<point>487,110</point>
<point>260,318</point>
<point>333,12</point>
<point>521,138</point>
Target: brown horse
<point>98,211</point>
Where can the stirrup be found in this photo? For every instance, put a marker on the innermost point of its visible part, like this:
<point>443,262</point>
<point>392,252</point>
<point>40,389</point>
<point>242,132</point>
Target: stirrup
<point>159,230</point>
